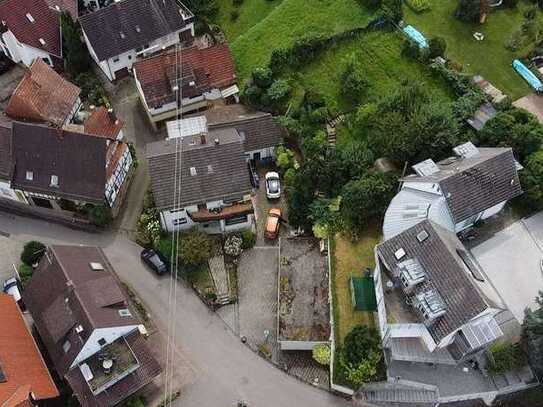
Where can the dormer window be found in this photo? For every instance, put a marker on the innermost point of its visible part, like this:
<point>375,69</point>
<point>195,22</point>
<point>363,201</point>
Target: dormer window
<point>138,29</point>
<point>29,176</point>
<point>29,17</point>
<point>192,171</point>
<point>42,41</point>
<point>121,34</point>
<point>54,181</point>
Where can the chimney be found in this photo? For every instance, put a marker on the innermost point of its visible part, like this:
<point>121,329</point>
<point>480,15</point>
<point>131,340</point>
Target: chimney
<point>111,114</point>
<point>216,141</point>
<point>203,138</point>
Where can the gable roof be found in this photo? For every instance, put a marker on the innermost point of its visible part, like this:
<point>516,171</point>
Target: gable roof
<point>129,24</point>
<point>78,160</point>
<point>473,184</point>
<point>6,161</point>
<point>66,292</point>
<point>43,96</point>
<point>220,169</point>
<point>46,24</point>
<point>70,6</point>
<point>207,68</point>
<point>20,359</point>
<point>258,130</point>
<point>444,270</point>
<point>103,124</point>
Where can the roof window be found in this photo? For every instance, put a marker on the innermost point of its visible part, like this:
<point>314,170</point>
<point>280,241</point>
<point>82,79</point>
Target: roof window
<point>96,266</point>
<point>399,253</point>
<point>42,41</point>
<point>54,181</point>
<point>210,169</point>
<point>193,171</point>
<point>29,17</point>
<point>121,34</point>
<point>125,312</point>
<point>422,236</point>
<point>138,29</point>
<point>29,176</point>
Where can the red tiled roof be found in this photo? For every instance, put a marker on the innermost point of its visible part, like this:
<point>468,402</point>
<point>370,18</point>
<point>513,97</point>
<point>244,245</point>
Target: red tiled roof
<point>103,124</point>
<point>69,6</point>
<point>43,95</point>
<point>208,68</point>
<point>46,24</point>
<point>20,359</point>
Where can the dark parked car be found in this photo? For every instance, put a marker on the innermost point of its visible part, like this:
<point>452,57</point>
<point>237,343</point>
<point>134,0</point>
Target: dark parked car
<point>153,260</point>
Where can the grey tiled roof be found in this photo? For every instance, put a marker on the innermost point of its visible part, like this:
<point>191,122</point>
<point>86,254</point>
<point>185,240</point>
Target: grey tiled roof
<point>396,394</point>
<point>66,292</point>
<point>474,184</point>
<point>6,163</point>
<point>77,159</point>
<point>139,21</point>
<point>221,169</point>
<point>444,272</point>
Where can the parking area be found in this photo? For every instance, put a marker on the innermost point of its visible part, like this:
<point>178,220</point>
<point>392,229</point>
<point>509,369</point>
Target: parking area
<point>10,250</point>
<point>8,82</point>
<point>512,261</point>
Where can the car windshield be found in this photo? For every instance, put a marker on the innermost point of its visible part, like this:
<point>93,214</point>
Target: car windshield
<point>273,185</point>
<point>156,261</point>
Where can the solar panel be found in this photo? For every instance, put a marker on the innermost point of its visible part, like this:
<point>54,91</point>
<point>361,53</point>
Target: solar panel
<point>426,167</point>
<point>466,150</point>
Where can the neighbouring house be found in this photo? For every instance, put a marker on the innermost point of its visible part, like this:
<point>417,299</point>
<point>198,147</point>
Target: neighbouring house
<point>207,75</point>
<point>63,169</point>
<point>24,378</point>
<point>303,311</point>
<point>455,193</point>
<point>91,333</point>
<point>118,34</point>
<point>7,164</point>
<point>259,131</point>
<point>44,96</point>
<point>69,6</point>
<point>201,180</point>
<point>29,30</point>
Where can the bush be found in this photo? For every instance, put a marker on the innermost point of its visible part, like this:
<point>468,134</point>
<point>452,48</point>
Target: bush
<point>370,3</point>
<point>233,246</point>
<point>164,246</point>
<point>33,251</point>
<point>468,10</point>
<point>418,6</point>
<point>410,49</point>
<point>194,248</point>
<point>359,343</point>
<point>437,47</point>
<point>249,239</point>
<point>321,354</point>
<point>234,15</point>
<point>237,3</point>
<point>355,86</point>
<point>505,357</point>
<point>100,215</point>
<point>25,273</point>
<point>134,155</point>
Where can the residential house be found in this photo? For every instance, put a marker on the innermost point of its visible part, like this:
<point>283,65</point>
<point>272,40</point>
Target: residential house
<point>44,96</point>
<point>92,336</point>
<point>202,180</point>
<point>185,81</point>
<point>69,6</point>
<point>29,30</point>
<point>24,378</point>
<point>455,193</point>
<point>7,164</point>
<point>59,168</point>
<point>260,132</point>
<point>118,34</point>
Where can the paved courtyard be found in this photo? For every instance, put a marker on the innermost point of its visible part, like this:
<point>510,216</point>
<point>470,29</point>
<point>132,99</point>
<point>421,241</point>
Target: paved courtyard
<point>532,103</point>
<point>10,250</point>
<point>512,259</point>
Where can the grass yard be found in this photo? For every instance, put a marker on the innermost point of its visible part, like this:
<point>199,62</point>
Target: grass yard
<point>201,280</point>
<point>378,54</point>
<point>489,57</point>
<point>250,13</point>
<point>290,20</point>
<point>350,259</point>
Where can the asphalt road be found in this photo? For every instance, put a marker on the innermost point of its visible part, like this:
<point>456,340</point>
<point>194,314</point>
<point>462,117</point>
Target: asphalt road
<point>218,370</point>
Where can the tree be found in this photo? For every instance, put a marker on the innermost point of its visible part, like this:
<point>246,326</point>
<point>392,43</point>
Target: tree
<point>194,248</point>
<point>353,83</point>
<point>359,343</point>
<point>33,251</point>
<point>278,92</point>
<point>505,357</point>
<point>366,199</point>
<point>437,47</point>
<point>76,56</point>
<point>532,180</point>
<point>324,213</point>
<point>468,10</point>
<point>100,215</point>
<point>533,334</point>
<point>321,354</point>
<point>392,10</point>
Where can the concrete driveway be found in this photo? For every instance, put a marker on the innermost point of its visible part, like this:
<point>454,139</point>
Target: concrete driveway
<point>533,104</point>
<point>511,260</point>
<point>217,369</point>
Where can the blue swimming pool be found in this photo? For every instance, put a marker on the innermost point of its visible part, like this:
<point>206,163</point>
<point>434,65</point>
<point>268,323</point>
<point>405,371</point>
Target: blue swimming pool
<point>528,75</point>
<point>416,36</point>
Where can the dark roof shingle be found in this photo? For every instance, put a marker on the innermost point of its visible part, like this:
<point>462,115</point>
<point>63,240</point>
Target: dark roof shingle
<point>221,170</point>
<point>78,160</point>
<point>129,24</point>
<point>444,272</point>
<point>6,161</point>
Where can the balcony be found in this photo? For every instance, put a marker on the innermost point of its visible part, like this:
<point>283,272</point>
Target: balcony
<point>227,212</point>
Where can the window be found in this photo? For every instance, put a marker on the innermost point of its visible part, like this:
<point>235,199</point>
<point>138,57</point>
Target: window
<point>102,341</point>
<point>29,17</point>
<point>29,176</point>
<point>193,171</point>
<point>66,346</point>
<point>125,312</point>
<point>237,220</point>
<point>115,59</point>
<point>54,181</point>
<point>129,56</point>
<point>180,221</point>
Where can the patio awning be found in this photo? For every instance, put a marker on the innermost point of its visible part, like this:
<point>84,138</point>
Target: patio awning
<point>230,91</point>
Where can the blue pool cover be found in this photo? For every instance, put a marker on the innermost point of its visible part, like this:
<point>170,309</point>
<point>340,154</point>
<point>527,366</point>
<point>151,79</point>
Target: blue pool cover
<point>528,75</point>
<point>416,36</point>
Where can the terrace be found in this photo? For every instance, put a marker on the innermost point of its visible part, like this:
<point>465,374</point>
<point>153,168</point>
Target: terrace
<point>108,366</point>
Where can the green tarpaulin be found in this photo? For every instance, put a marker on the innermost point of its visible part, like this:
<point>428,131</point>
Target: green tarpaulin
<point>363,294</point>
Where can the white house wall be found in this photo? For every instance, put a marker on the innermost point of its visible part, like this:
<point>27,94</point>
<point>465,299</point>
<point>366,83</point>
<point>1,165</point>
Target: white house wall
<point>109,334</point>
<point>8,193</point>
<point>494,210</point>
<point>22,53</point>
<point>429,187</point>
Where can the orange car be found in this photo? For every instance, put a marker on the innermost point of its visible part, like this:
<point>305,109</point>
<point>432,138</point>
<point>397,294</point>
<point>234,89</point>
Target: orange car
<point>273,223</point>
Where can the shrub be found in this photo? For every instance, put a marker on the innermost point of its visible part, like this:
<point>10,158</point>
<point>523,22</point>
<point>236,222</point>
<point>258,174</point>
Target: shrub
<point>437,47</point>
<point>418,6</point>
<point>279,91</point>
<point>262,77</point>
<point>355,86</point>
<point>164,247</point>
<point>321,354</point>
<point>249,239</point>
<point>132,149</point>
<point>410,49</point>
<point>25,273</point>
<point>392,10</point>
<point>233,246</point>
<point>194,248</point>
<point>100,215</point>
<point>237,3</point>
<point>468,10</point>
<point>370,3</point>
<point>234,15</point>
<point>148,200</point>
<point>505,357</point>
<point>33,251</point>
<point>360,343</point>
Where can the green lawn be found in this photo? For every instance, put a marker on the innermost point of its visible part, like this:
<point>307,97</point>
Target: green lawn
<point>250,13</point>
<point>488,57</point>
<point>350,259</point>
<point>378,54</point>
<point>290,20</point>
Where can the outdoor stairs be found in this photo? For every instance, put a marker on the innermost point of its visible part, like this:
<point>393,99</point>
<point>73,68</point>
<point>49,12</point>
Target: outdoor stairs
<point>219,274</point>
<point>331,129</point>
<point>512,379</point>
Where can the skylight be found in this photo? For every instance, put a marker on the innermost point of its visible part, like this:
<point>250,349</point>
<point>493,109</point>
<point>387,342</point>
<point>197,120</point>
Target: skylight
<point>29,17</point>
<point>192,171</point>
